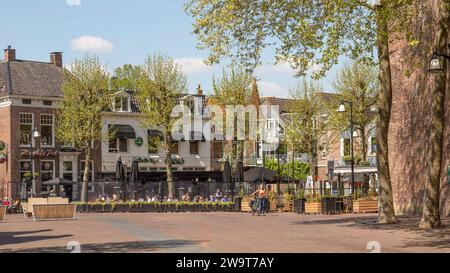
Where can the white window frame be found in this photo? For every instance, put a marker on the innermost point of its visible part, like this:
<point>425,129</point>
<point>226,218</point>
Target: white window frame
<point>32,127</point>
<point>71,172</point>
<point>53,130</point>
<point>122,96</point>
<point>40,168</point>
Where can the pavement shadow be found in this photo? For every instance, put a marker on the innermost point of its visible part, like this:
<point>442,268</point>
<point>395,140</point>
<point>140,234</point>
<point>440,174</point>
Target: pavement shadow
<point>436,238</point>
<point>16,237</point>
<point>119,247</point>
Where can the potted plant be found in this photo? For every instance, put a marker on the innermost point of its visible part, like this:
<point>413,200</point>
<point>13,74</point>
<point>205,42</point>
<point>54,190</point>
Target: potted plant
<point>299,201</point>
<point>313,205</point>
<point>273,204</point>
<point>288,202</point>
<point>121,207</point>
<point>367,203</point>
<point>328,204</point>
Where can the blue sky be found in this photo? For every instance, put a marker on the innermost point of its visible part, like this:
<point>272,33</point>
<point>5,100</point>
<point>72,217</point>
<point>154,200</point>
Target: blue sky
<point>121,32</point>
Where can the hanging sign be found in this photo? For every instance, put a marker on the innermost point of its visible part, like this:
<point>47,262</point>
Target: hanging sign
<point>2,145</point>
<point>139,141</point>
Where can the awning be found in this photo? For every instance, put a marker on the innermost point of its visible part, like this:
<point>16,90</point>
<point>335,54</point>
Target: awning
<point>123,131</point>
<point>57,181</point>
<point>357,169</point>
<point>155,134</point>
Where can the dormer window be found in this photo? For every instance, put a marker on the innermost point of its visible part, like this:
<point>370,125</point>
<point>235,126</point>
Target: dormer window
<point>122,103</point>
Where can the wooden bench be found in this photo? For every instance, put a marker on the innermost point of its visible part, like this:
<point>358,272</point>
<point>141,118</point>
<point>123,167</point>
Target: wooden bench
<point>27,207</point>
<point>54,211</point>
<point>2,213</point>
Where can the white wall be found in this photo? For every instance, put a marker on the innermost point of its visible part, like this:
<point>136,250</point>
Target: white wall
<point>203,160</point>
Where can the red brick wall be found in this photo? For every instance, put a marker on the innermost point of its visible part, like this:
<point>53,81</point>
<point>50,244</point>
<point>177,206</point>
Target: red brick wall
<point>5,168</point>
<point>410,128</point>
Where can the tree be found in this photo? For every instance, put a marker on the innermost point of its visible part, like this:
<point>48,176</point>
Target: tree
<point>430,213</point>
<point>306,126</point>
<point>298,171</point>
<point>126,77</point>
<point>357,83</point>
<point>307,33</point>
<point>85,96</point>
<point>233,88</point>
<point>159,90</point>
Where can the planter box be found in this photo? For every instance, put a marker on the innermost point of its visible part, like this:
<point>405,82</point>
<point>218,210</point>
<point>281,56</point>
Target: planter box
<point>122,208</point>
<point>313,207</point>
<point>328,205</point>
<point>288,206</point>
<point>299,205</point>
<point>272,205</point>
<point>339,204</point>
<point>245,206</point>
<point>365,206</point>
<point>170,208</point>
<point>237,204</point>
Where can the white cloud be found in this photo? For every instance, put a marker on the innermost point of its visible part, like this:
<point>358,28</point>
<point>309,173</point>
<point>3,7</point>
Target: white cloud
<point>269,89</point>
<point>73,2</point>
<point>91,44</point>
<point>192,65</point>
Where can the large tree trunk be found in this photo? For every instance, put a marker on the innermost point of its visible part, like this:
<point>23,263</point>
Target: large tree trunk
<point>386,213</point>
<point>84,187</point>
<point>430,213</point>
<point>169,169</point>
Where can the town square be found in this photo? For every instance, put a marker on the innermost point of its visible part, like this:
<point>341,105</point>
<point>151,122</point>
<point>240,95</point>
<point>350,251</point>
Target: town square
<point>222,126</point>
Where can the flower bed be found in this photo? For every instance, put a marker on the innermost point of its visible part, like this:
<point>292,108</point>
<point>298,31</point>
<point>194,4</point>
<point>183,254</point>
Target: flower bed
<point>137,207</point>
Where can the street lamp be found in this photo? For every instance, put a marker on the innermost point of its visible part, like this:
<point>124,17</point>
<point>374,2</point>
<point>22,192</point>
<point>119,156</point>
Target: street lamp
<point>35,134</point>
<point>342,109</point>
<point>436,66</point>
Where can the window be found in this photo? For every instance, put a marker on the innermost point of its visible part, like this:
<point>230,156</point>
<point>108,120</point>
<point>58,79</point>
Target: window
<point>68,170</point>
<point>26,101</point>
<point>25,168</point>
<point>26,126</point>
<point>91,168</point>
<point>121,104</point>
<point>47,130</point>
<point>373,144</point>
<point>47,171</point>
<point>174,148</point>
<point>152,145</point>
<point>118,145</point>
<point>217,149</point>
<point>112,146</point>
<point>193,148</point>
<point>123,145</point>
<point>47,102</point>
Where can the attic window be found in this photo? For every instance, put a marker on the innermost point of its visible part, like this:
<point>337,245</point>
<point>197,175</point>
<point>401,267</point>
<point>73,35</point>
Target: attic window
<point>47,102</point>
<point>122,104</point>
<point>26,101</point>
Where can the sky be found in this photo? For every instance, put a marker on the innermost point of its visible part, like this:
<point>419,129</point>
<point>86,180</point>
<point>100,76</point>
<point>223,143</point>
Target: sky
<point>125,32</point>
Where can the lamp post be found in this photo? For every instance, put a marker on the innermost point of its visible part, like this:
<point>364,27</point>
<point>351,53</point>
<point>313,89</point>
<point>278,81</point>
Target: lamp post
<point>35,134</point>
<point>342,109</point>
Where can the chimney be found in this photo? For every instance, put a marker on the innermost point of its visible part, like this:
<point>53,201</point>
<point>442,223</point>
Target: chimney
<point>56,58</point>
<point>10,54</point>
<point>199,90</point>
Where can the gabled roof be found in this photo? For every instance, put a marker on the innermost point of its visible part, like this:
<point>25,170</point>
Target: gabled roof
<point>31,78</point>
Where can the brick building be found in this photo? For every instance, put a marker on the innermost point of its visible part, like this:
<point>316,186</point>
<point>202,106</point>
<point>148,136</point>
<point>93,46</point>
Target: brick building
<point>29,96</point>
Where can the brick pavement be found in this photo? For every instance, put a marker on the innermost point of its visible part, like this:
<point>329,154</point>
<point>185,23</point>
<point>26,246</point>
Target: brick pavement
<point>219,232</point>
